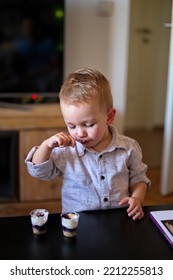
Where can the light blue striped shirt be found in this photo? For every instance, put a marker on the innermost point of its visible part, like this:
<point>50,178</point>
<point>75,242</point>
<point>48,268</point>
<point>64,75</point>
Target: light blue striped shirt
<point>93,180</point>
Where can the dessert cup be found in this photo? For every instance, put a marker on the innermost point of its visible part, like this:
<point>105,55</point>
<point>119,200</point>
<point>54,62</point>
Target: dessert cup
<point>69,223</point>
<point>39,218</point>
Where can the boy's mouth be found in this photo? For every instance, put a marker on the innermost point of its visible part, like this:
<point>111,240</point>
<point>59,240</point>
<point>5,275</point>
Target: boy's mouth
<point>84,142</point>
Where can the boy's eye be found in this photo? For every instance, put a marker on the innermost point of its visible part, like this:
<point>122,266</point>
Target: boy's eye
<point>71,126</point>
<point>89,124</point>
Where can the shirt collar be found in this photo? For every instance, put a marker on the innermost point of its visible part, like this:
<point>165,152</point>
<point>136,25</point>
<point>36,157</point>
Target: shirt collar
<point>116,143</point>
<point>81,149</point>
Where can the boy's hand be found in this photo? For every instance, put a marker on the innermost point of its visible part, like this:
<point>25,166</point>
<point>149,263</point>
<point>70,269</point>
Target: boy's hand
<point>61,140</point>
<point>135,208</point>
<point>43,152</point>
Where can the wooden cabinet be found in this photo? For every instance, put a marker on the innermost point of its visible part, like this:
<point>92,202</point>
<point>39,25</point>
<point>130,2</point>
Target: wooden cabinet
<point>31,188</point>
<point>34,124</point>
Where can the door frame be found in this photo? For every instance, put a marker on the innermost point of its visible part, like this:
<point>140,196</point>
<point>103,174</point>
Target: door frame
<point>167,162</point>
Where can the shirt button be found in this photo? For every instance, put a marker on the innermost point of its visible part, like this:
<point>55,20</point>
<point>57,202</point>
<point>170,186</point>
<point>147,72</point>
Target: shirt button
<point>102,177</point>
<point>105,199</point>
<point>100,156</point>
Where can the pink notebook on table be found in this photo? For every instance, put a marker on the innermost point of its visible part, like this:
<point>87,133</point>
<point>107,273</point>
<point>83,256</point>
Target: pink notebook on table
<point>163,219</point>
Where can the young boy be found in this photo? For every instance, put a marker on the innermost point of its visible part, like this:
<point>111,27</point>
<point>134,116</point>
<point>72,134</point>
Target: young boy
<point>101,169</point>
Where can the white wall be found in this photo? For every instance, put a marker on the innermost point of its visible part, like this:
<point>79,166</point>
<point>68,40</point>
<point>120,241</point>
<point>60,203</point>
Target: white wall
<point>101,42</point>
<point>148,63</point>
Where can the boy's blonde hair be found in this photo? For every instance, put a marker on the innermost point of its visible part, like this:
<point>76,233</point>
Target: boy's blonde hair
<point>85,85</point>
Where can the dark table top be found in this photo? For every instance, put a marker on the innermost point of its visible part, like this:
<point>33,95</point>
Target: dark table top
<point>102,235</point>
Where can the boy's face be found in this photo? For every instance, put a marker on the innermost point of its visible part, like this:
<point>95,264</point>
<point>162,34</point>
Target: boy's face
<point>88,124</point>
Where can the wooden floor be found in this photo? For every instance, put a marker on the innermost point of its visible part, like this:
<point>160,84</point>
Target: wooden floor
<point>151,142</point>
<point>153,197</point>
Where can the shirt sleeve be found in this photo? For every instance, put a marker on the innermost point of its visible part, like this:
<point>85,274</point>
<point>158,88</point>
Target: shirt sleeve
<point>44,171</point>
<point>137,169</point>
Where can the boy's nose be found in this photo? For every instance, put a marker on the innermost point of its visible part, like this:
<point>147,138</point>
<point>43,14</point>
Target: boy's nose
<point>81,132</point>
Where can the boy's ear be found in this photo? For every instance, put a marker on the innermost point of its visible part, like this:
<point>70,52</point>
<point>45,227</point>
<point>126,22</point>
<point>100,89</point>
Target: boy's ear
<point>111,115</point>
